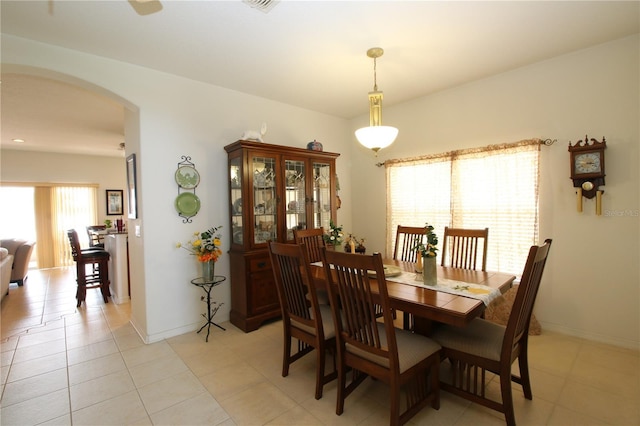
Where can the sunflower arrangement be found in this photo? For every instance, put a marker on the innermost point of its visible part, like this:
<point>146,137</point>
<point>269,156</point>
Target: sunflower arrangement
<point>205,245</point>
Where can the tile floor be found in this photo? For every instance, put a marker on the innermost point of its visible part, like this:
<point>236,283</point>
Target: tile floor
<point>63,366</point>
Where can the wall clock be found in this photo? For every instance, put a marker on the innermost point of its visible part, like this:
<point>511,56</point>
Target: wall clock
<point>587,170</point>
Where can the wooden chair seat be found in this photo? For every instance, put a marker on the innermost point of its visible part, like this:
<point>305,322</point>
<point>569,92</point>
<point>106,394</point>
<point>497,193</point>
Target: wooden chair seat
<point>328,328</point>
<point>481,338</point>
<point>412,349</point>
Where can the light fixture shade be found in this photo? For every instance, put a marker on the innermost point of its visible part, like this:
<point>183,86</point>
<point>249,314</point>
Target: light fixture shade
<point>376,137</point>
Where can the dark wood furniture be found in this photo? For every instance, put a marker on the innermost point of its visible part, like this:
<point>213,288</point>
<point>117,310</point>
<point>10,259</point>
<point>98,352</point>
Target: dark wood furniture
<point>303,318</point>
<point>92,270</point>
<point>273,190</point>
<point>461,247</point>
<point>407,239</point>
<point>368,347</point>
<point>431,305</point>
<point>484,346</point>
<point>313,240</point>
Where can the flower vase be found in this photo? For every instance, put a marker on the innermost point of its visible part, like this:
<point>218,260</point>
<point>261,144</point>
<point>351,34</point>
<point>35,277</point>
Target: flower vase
<point>429,271</point>
<point>208,270</point>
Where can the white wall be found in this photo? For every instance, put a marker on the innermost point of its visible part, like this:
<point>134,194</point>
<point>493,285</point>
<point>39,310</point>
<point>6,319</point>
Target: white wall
<point>25,166</point>
<point>178,117</point>
<point>592,282</point>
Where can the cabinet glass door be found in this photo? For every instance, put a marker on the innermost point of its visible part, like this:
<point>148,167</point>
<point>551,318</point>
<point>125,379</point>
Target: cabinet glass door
<point>236,199</point>
<point>321,195</point>
<point>295,198</point>
<point>264,199</point>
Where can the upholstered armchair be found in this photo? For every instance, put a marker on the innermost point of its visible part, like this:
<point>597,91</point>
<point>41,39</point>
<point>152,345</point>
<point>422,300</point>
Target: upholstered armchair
<point>21,251</point>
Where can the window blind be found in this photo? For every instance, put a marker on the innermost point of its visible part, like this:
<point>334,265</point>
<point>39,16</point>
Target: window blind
<point>494,187</point>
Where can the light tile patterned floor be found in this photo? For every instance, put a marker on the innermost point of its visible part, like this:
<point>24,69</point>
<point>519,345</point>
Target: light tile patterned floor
<point>61,366</point>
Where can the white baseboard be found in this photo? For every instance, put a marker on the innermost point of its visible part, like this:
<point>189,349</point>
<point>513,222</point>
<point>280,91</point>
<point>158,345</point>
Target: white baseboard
<point>594,337</point>
<point>153,338</point>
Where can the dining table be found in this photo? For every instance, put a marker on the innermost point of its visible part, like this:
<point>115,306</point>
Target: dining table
<point>427,304</point>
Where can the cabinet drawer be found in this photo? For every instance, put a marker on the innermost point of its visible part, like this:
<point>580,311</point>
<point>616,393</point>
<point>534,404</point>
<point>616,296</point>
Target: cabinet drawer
<point>259,264</point>
<point>264,296</point>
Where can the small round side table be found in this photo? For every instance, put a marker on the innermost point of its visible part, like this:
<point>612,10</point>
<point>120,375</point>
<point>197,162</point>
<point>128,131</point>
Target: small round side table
<point>207,285</point>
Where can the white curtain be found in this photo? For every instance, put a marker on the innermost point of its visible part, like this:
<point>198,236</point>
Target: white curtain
<point>494,187</point>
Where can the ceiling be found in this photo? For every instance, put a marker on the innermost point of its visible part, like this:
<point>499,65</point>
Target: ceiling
<point>311,54</point>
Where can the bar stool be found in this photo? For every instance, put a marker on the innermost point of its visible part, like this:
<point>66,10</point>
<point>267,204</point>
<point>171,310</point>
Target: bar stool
<point>97,275</point>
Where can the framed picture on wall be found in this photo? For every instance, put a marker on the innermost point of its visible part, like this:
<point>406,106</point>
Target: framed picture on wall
<point>131,186</point>
<point>114,202</point>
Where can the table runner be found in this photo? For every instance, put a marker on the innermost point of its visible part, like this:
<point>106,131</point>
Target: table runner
<point>460,288</point>
<point>475,291</point>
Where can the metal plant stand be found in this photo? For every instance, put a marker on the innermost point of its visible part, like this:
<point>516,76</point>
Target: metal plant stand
<point>207,285</point>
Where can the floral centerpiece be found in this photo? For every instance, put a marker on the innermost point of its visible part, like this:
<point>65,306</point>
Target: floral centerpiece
<point>429,249</point>
<point>334,235</point>
<point>427,255</point>
<point>206,247</point>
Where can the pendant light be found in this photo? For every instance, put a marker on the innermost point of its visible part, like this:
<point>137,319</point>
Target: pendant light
<point>376,136</point>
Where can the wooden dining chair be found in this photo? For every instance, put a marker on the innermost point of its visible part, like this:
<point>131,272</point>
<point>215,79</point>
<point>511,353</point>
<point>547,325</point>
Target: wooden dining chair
<point>92,270</point>
<point>484,346</point>
<point>407,239</point>
<point>461,247</point>
<point>313,239</point>
<point>303,318</point>
<point>370,347</point>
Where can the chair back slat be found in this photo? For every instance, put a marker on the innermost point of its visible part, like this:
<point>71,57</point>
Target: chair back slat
<point>407,238</point>
<point>518,323</point>
<point>74,242</point>
<point>292,277</point>
<point>357,295</point>
<point>461,248</point>
<point>313,239</point>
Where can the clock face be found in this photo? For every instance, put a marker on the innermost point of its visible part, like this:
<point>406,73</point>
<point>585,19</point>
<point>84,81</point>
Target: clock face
<point>587,163</point>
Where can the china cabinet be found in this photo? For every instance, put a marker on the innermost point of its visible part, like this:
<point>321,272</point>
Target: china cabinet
<point>273,190</point>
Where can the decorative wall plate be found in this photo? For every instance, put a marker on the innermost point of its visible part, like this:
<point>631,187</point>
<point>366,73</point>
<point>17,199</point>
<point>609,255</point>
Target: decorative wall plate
<point>187,177</point>
<point>187,204</point>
